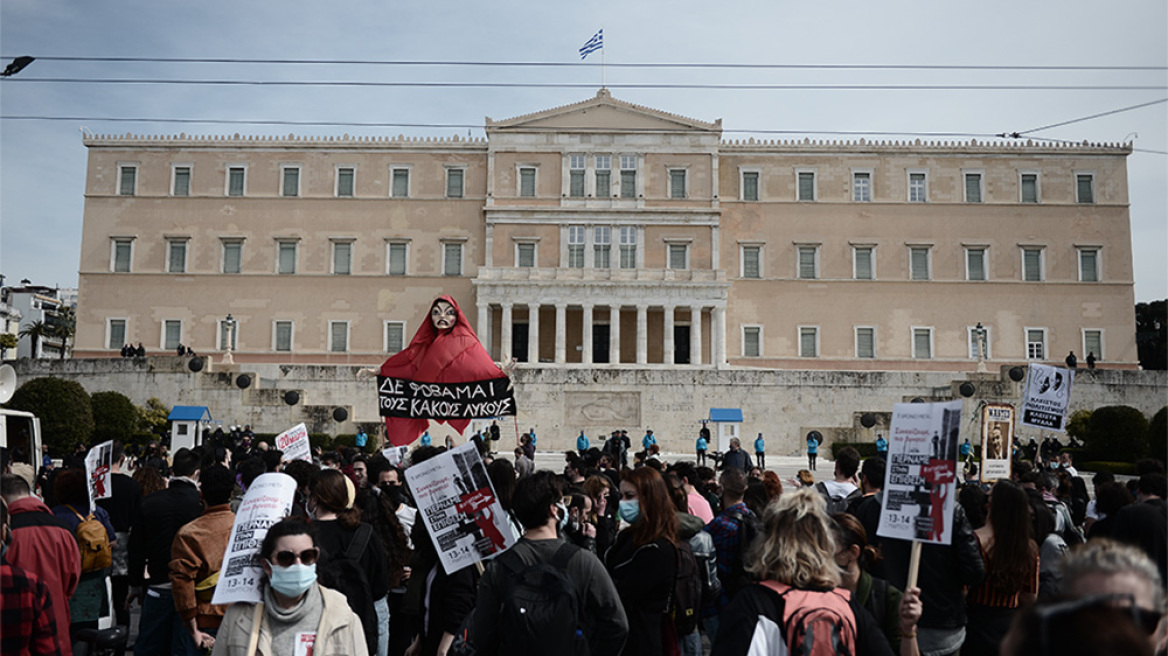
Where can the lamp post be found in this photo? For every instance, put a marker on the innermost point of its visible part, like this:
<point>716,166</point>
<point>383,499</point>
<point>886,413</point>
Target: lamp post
<point>229,324</point>
<point>979,333</point>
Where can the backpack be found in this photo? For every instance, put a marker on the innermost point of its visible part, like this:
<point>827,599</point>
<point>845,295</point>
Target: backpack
<point>540,611</point>
<point>815,623</point>
<point>685,600</point>
<point>345,574</point>
<point>749,528</point>
<point>836,503</point>
<point>93,541</point>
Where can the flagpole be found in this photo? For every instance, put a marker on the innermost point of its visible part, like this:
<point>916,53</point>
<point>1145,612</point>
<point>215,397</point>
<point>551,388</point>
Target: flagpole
<point>602,72</point>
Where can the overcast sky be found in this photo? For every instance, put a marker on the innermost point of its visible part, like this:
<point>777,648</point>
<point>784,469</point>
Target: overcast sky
<point>42,163</point>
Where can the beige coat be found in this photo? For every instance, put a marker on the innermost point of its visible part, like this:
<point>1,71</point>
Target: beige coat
<point>339,633</point>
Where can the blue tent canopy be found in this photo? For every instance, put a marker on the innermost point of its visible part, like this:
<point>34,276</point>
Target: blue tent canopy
<point>726,415</point>
<point>190,413</point>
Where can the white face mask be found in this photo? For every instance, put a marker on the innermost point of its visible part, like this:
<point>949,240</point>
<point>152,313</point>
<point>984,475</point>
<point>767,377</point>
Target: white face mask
<point>563,517</point>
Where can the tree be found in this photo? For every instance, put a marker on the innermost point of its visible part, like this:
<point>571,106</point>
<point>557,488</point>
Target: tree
<point>1152,334</point>
<point>1117,433</point>
<point>115,417</point>
<point>64,327</point>
<point>64,408</point>
<point>7,341</point>
<point>1078,425</point>
<point>35,331</point>
<point>153,416</point>
<point>1158,428</point>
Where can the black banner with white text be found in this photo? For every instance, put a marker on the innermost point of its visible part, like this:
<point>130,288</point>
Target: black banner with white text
<point>398,397</point>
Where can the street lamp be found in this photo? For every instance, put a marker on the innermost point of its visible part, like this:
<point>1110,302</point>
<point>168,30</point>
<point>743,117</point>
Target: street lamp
<point>979,333</point>
<point>229,324</point>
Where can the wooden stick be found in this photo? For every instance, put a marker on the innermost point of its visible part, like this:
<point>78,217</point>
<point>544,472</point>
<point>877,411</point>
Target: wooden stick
<point>914,564</point>
<point>256,618</point>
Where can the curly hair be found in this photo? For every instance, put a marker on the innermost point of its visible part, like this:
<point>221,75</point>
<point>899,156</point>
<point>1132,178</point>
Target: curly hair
<point>798,545</point>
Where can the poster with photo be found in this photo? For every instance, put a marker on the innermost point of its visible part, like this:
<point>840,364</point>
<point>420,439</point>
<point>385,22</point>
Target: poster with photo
<point>267,501</point>
<point>921,480</point>
<point>294,443</point>
<point>98,471</point>
<point>997,440</point>
<point>1048,393</point>
<point>458,504</point>
<point>396,455</point>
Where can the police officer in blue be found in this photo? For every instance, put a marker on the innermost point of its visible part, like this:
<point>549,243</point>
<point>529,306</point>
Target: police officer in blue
<point>760,451</point>
<point>582,444</point>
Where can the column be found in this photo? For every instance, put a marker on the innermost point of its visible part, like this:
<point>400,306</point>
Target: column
<point>695,335</point>
<point>586,355</point>
<point>561,333</point>
<point>484,325</point>
<point>614,334</point>
<point>719,345</point>
<point>642,334</point>
<point>533,333</point>
<point>669,357</point>
<point>505,334</point>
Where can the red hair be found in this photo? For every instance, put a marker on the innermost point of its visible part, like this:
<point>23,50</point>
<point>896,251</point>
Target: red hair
<point>658,515</point>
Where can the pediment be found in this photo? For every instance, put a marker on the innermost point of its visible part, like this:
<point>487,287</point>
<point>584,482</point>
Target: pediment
<point>603,113</point>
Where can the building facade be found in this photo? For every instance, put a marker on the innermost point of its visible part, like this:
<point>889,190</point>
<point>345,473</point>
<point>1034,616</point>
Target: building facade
<point>606,234</point>
<point>37,314</point>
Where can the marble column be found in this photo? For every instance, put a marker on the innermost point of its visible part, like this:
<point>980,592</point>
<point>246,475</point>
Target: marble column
<point>614,334</point>
<point>586,354</point>
<point>670,355</point>
<point>561,333</point>
<point>695,335</point>
<point>533,333</point>
<point>484,325</point>
<point>719,345</point>
<point>505,334</point>
<point>642,334</point>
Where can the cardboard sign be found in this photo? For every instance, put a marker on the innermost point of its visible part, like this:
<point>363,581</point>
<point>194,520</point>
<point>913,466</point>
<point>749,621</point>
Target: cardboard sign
<point>398,397</point>
<point>267,501</point>
<point>98,473</point>
<point>921,480</point>
<point>458,505</point>
<point>294,443</point>
<point>997,441</point>
<point>1048,393</point>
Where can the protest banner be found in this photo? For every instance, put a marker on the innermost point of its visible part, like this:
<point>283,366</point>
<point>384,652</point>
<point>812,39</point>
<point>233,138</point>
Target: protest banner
<point>294,443</point>
<point>399,397</point>
<point>396,455</point>
<point>98,473</point>
<point>456,501</point>
<point>921,479</point>
<point>1048,393</point>
<point>997,441</point>
<point>267,501</point>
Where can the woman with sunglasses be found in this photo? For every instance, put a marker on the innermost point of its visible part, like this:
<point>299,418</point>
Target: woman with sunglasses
<point>296,610</point>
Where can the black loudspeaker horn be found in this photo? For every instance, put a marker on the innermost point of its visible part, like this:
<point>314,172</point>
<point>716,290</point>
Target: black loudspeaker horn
<point>967,389</point>
<point>243,381</point>
<point>291,397</point>
<point>195,364</point>
<point>340,414</point>
<point>1017,374</point>
<point>868,420</point>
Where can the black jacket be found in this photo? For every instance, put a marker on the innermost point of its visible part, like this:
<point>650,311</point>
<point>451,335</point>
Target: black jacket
<point>644,578</point>
<point>159,518</point>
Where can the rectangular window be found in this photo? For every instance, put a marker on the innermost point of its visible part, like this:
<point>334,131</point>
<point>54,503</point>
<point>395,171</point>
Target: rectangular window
<point>922,343</point>
<point>918,191</point>
<point>452,259</point>
<point>863,264</point>
<point>865,342</point>
<point>1088,265</point>
<point>395,336</point>
<point>808,262</point>
<point>575,247</point>
<point>1029,184</point>
<point>973,343</point>
<point>677,183</point>
<point>338,336</point>
<point>679,256</point>
<point>122,256</point>
<point>750,185</point>
<point>345,178</point>
<point>128,181</point>
<point>171,334</point>
<point>116,329</point>
<point>1032,265</point>
<point>602,247</point>
<point>236,177</point>
<point>806,185</point>
<point>223,336</point>
<point>628,248</point>
<point>176,256</point>
<point>918,263</point>
<point>454,183</point>
<point>286,257</point>
<point>975,264</point>
<point>395,257</point>
<point>1092,343</point>
<point>527,181</point>
<point>862,187</point>
<point>1084,188</point>
<point>282,336</point>
<point>525,255</point>
<point>603,176</point>
<point>973,188</point>
<point>181,185</point>
<point>808,341</point>
<point>342,258</point>
<point>232,256</point>
<point>290,181</point>
<point>751,341</point>
<point>401,183</point>
<point>576,176</point>
<point>752,262</point>
<point>1035,343</point>
<point>628,179</point>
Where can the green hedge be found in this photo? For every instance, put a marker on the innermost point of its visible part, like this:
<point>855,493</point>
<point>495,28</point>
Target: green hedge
<point>350,440</point>
<point>866,449</point>
<point>1124,468</point>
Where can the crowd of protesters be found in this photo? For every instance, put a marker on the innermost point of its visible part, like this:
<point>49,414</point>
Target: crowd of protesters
<point>641,556</point>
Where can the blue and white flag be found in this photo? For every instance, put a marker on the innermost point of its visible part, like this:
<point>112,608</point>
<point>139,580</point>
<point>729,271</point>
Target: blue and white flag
<point>594,44</point>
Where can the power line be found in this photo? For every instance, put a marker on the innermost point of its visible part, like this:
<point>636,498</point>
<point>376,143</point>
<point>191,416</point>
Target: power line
<point>1087,118</point>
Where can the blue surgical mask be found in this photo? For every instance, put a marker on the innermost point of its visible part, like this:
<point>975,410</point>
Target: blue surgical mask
<point>293,581</point>
<point>629,510</point>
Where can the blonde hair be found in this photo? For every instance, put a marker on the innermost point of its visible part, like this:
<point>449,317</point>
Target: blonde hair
<point>798,544</point>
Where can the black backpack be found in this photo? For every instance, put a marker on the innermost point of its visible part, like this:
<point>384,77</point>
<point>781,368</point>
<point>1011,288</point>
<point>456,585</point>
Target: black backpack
<point>540,612</point>
<point>686,598</point>
<point>749,528</point>
<point>344,574</point>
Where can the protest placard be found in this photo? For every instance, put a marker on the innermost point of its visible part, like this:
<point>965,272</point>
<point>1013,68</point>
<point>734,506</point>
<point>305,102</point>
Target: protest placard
<point>921,480</point>
<point>98,463</point>
<point>456,501</point>
<point>396,455</point>
<point>398,397</point>
<point>294,443</point>
<point>997,441</point>
<point>1048,393</point>
<point>267,501</point>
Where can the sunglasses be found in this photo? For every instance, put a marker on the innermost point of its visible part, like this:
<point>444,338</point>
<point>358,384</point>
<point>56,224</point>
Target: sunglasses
<point>289,558</point>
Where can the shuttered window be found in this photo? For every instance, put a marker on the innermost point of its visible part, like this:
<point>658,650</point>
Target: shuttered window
<point>865,342</point>
<point>808,265</point>
<point>975,259</point>
<point>751,341</point>
<point>1085,188</point>
<point>973,188</point>
<point>750,262</point>
<point>863,262</point>
<point>919,263</point>
<point>808,342</point>
<point>806,185</point>
<point>922,343</point>
<point>1032,264</point>
<point>750,185</point>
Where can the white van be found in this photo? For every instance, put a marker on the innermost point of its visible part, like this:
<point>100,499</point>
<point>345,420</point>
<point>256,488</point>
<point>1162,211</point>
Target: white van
<point>21,429</point>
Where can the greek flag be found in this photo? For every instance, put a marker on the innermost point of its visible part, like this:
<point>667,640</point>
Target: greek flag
<point>594,44</point>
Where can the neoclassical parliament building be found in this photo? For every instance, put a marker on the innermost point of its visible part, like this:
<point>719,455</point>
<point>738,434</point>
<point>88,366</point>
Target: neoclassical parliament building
<point>604,233</point>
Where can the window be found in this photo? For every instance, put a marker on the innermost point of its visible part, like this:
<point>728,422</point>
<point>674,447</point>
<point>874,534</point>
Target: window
<point>806,185</point>
<point>1032,265</point>
<point>808,262</point>
<point>679,256</point>
<point>342,258</point>
<point>752,262</point>
<point>922,346</point>
<point>975,263</point>
<point>628,179</point>
<point>395,258</point>
<point>918,263</point>
<point>286,257</point>
<point>972,341</point>
<point>752,341</point>
<point>395,336</point>
<point>1088,265</point>
<point>180,183</point>
<point>628,248</point>
<point>345,180</point>
<point>862,186</point>
<point>865,342</point>
<point>1092,343</point>
<point>236,180</point>
<point>750,185</point>
<point>575,176</point>
<point>602,247</point>
<point>232,256</point>
<point>282,336</point>
<point>863,263</point>
<point>116,330</point>
<point>128,180</point>
<point>290,181</point>
<point>401,182</point>
<point>603,176</point>
<point>1084,188</point>
<point>122,256</point>
<point>918,187</point>
<point>1028,183</point>
<point>454,182</point>
<point>223,335</point>
<point>808,341</point>
<point>525,255</point>
<point>338,336</point>
<point>1036,343</point>
<point>575,247</point>
<point>452,259</point>
<point>527,181</point>
<point>171,334</point>
<point>176,256</point>
<point>677,183</point>
<point>974,192</point>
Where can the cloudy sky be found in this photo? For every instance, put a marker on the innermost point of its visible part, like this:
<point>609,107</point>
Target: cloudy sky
<point>42,162</point>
